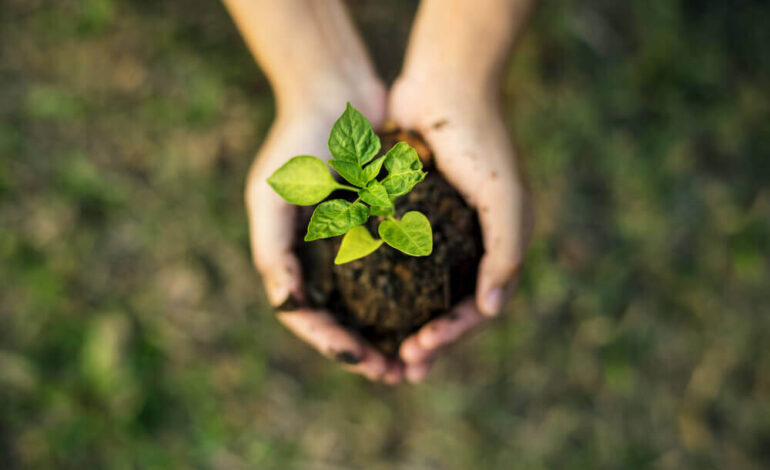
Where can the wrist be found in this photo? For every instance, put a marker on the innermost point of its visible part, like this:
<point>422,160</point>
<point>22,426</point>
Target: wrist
<point>446,84</point>
<point>428,94</point>
<point>326,95</point>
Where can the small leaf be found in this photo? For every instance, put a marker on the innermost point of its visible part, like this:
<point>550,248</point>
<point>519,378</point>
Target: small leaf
<point>381,211</point>
<point>357,243</point>
<point>335,217</point>
<point>412,234</point>
<point>303,181</point>
<point>373,169</point>
<point>402,157</point>
<point>404,169</point>
<point>352,138</point>
<point>376,195</point>
<point>398,184</point>
<point>350,171</point>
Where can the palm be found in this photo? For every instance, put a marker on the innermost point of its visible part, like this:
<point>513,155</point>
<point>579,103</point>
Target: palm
<point>474,153</point>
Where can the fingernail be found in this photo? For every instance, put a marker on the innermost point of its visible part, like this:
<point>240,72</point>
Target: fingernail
<point>494,301</point>
<point>347,357</point>
<point>291,303</point>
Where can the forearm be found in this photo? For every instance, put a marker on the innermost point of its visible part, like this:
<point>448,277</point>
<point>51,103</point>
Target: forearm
<point>308,49</point>
<point>464,41</point>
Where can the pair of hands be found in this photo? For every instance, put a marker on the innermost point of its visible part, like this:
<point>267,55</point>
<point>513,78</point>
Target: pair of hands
<point>472,150</point>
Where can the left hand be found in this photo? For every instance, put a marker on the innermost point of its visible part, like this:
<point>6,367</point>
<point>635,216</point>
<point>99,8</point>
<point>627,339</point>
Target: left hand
<point>473,151</point>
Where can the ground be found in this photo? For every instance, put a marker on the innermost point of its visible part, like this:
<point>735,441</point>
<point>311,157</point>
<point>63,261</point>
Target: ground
<point>134,332</point>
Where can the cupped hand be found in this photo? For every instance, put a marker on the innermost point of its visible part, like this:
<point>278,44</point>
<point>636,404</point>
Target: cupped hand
<point>473,151</point>
<point>305,131</point>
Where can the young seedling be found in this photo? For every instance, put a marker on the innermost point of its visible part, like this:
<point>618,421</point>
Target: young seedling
<point>305,180</point>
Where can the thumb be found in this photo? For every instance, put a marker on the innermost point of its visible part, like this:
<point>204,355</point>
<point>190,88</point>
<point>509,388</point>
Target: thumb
<point>271,229</point>
<point>496,282</point>
<point>506,226</point>
<point>282,277</point>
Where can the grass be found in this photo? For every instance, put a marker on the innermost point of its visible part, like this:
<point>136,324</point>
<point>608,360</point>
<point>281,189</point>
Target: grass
<point>134,332</point>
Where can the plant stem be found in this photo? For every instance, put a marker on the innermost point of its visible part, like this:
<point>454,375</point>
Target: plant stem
<point>347,188</point>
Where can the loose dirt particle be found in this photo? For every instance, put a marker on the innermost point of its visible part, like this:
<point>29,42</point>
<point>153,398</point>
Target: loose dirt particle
<point>291,303</point>
<point>439,124</point>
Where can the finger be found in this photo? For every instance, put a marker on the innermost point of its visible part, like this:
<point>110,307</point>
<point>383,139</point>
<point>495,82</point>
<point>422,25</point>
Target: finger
<point>450,327</point>
<point>319,329</point>
<point>271,219</point>
<point>422,345</point>
<point>394,372</point>
<point>416,373</point>
<point>411,352</point>
<point>373,365</point>
<point>494,188</point>
<point>506,226</point>
<point>271,224</point>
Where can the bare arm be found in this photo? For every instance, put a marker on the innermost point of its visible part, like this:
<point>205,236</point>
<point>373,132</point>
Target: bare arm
<point>308,49</point>
<point>466,42</point>
<point>315,62</point>
<point>449,91</point>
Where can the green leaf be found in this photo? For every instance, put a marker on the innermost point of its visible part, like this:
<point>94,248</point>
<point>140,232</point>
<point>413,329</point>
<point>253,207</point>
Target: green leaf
<point>401,183</point>
<point>357,243</point>
<point>350,171</point>
<point>352,138</point>
<point>381,211</point>
<point>303,181</point>
<point>412,234</point>
<point>373,169</point>
<point>335,217</point>
<point>376,195</point>
<point>404,169</point>
<point>402,156</point>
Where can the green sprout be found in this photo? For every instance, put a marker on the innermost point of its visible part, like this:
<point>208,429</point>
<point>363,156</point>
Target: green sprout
<point>305,180</point>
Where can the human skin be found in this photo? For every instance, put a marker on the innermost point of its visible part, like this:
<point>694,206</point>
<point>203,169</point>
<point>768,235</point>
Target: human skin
<point>449,92</point>
<point>316,62</point>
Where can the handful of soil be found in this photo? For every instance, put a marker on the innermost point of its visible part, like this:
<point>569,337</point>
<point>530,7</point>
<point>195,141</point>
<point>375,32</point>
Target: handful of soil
<point>388,295</point>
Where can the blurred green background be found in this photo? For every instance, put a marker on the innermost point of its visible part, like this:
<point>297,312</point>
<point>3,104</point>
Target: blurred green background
<point>134,332</point>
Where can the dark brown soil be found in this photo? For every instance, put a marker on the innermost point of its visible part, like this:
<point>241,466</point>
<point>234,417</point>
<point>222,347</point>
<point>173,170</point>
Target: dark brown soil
<point>388,295</point>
